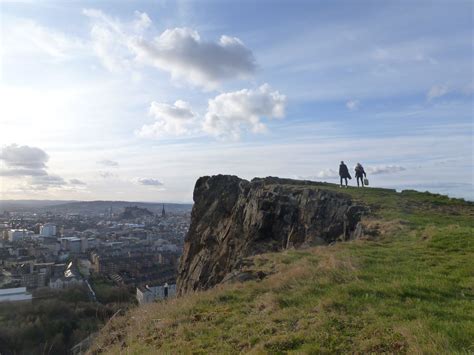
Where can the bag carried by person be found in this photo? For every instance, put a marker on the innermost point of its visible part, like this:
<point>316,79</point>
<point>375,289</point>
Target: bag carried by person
<point>366,182</point>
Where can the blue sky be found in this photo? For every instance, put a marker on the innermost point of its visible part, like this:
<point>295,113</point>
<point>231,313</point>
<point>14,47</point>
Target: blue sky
<point>135,100</point>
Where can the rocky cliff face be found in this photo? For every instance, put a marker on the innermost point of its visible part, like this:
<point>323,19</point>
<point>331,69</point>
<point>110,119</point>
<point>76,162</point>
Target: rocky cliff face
<point>233,218</point>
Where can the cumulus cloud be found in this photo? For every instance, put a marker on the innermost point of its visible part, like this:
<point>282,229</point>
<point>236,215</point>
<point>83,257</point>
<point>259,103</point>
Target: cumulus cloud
<point>323,174</point>
<point>353,104</point>
<point>437,91</point>
<point>148,182</point>
<point>182,53</point>
<point>170,119</point>
<point>229,113</point>
<point>107,162</point>
<point>29,163</point>
<point>30,158</point>
<point>384,169</point>
<point>178,51</point>
<point>327,173</point>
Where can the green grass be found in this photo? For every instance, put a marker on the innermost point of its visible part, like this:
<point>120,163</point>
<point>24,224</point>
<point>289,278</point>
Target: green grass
<point>408,290</point>
<point>108,292</point>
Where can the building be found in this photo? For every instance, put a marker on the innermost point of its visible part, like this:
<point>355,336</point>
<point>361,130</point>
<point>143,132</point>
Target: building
<point>148,294</point>
<point>34,279</point>
<point>15,295</point>
<point>48,230</point>
<point>14,262</point>
<point>71,244</point>
<point>84,244</point>
<point>71,277</point>
<point>15,235</point>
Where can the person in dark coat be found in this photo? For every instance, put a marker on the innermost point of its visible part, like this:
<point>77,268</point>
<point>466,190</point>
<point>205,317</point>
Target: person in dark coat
<point>360,174</point>
<point>344,172</point>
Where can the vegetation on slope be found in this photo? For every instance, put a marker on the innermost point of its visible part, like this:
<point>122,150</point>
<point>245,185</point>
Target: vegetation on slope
<point>406,287</point>
<point>53,323</point>
<point>107,291</point>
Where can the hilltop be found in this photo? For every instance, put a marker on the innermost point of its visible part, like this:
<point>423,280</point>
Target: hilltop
<point>133,212</point>
<point>403,283</point>
<point>233,218</point>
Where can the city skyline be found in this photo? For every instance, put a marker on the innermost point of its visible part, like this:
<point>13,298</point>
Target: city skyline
<point>136,100</point>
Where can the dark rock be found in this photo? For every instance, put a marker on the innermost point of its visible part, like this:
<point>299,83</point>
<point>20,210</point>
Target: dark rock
<point>234,218</point>
<point>134,212</point>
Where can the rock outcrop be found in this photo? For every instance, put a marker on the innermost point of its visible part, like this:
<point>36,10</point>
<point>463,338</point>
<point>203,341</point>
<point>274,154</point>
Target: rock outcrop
<point>134,212</point>
<point>233,218</point>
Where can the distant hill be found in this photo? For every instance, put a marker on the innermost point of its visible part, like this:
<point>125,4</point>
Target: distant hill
<point>87,207</point>
<point>28,205</point>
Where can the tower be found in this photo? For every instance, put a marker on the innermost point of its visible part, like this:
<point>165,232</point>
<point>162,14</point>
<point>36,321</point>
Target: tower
<point>163,212</point>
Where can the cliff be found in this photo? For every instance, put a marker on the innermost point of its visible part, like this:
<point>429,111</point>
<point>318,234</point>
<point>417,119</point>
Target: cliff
<point>233,219</point>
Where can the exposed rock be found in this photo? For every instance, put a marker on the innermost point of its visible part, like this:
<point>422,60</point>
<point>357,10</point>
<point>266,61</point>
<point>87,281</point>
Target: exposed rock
<point>233,218</point>
<point>135,212</point>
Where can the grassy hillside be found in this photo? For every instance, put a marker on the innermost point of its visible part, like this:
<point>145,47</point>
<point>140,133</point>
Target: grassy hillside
<point>406,287</point>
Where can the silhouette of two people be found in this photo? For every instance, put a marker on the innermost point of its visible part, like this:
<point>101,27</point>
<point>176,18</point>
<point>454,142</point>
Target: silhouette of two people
<point>359,173</point>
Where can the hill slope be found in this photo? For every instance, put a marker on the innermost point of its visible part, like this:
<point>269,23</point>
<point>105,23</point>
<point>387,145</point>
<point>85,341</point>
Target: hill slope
<point>405,286</point>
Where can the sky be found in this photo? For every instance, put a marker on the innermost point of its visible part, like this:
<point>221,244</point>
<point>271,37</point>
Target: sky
<point>134,100</point>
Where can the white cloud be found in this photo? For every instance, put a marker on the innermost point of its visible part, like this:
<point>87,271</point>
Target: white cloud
<point>148,182</point>
<point>142,21</point>
<point>173,119</point>
<point>24,156</point>
<point>179,51</point>
<point>229,113</point>
<point>29,164</point>
<point>323,174</point>
<point>327,173</point>
<point>437,91</point>
<point>182,53</point>
<point>107,162</point>
<point>384,169</point>
<point>353,105</point>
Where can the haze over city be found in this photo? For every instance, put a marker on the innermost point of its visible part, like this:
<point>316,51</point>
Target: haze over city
<point>135,100</point>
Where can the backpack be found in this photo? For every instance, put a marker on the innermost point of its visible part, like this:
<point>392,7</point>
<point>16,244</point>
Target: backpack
<point>366,182</point>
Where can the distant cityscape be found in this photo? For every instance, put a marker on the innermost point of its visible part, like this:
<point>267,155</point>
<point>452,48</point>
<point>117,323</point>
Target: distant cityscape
<point>70,245</point>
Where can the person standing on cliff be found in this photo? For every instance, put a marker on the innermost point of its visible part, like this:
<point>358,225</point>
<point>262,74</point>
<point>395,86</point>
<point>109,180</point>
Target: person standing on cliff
<point>360,174</point>
<point>344,172</point>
